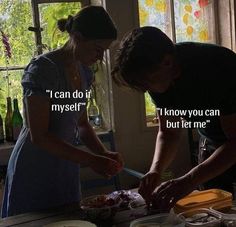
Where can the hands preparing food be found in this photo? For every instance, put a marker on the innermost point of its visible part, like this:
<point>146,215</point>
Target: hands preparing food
<point>116,157</point>
<point>105,166</point>
<point>105,206</point>
<point>168,193</point>
<point>147,185</point>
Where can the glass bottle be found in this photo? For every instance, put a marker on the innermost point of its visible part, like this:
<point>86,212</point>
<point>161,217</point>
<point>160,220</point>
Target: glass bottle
<point>93,113</point>
<point>17,120</point>
<point>8,121</point>
<point>1,130</point>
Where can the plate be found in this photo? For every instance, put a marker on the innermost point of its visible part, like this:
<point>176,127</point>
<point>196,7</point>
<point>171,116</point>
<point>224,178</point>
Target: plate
<point>71,223</point>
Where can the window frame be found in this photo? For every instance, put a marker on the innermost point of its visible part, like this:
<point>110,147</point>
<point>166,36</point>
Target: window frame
<point>36,18</point>
<point>217,40</point>
<point>37,29</point>
<point>37,44</point>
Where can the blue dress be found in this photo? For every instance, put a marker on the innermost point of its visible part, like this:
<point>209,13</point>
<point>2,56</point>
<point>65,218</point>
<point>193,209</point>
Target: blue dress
<point>37,179</point>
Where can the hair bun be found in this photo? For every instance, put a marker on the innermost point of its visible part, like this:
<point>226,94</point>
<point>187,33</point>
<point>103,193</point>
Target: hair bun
<point>65,24</point>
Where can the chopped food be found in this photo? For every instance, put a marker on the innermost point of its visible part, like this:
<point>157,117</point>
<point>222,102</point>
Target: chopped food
<point>137,203</point>
<point>125,196</point>
<point>120,198</point>
<point>100,201</point>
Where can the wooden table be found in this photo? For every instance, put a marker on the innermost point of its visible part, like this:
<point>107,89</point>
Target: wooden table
<point>121,219</point>
<point>72,212</point>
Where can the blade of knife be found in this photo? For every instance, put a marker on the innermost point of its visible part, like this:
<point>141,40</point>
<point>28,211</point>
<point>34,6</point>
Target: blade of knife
<point>134,173</point>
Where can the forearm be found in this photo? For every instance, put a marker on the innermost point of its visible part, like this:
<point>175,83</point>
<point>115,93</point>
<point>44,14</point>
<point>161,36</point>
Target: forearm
<point>91,140</point>
<point>37,107</point>
<point>165,150</point>
<point>221,160</point>
<point>62,149</point>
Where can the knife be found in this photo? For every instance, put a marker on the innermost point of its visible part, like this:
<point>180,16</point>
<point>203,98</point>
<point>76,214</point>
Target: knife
<point>134,173</point>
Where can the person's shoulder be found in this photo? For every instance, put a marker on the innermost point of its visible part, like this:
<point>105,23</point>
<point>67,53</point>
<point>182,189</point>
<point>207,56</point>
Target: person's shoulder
<point>204,54</point>
<point>41,70</point>
<point>195,46</point>
<point>203,47</point>
<point>46,59</point>
<point>41,63</point>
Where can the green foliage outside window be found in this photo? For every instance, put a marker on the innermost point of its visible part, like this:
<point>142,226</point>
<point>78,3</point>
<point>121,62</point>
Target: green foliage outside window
<point>15,18</point>
<point>52,38</point>
<point>150,107</point>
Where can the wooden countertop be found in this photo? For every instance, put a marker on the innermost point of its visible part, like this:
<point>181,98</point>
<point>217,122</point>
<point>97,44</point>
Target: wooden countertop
<point>39,219</point>
<point>121,219</point>
<point>72,212</point>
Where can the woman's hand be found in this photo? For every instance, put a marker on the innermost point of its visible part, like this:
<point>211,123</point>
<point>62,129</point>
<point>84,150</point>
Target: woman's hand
<point>116,157</point>
<point>168,193</point>
<point>104,166</point>
<point>147,185</point>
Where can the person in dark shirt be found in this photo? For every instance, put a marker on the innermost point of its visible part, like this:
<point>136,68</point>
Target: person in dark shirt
<point>197,79</point>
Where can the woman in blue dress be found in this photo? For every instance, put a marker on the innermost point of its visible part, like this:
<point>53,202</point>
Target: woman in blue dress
<point>43,170</point>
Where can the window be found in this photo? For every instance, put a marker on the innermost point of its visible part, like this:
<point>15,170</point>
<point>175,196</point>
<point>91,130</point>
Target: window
<point>49,14</point>
<point>22,48</point>
<point>24,44</point>
<point>181,20</point>
<point>34,31</point>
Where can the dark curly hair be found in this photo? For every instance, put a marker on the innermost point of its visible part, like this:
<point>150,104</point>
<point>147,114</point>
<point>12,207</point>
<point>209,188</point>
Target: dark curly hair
<point>140,53</point>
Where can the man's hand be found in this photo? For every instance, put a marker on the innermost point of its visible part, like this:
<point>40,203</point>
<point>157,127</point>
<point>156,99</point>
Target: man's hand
<point>147,185</point>
<point>168,193</point>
